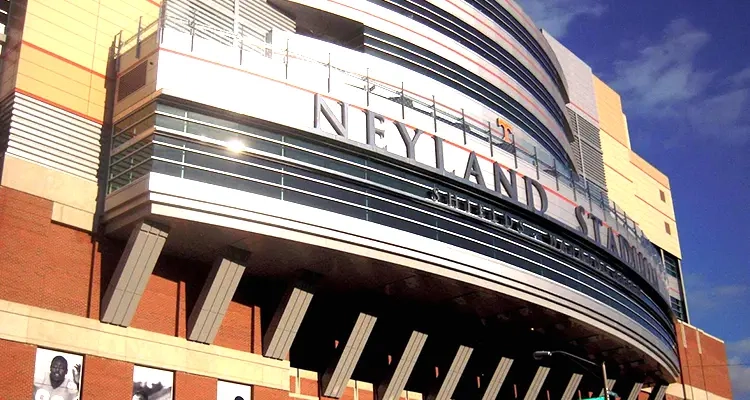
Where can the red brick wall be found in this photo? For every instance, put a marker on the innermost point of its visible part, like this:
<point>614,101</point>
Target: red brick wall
<point>193,387</point>
<point>703,367</point>
<point>236,329</point>
<point>158,308</point>
<point>17,373</point>
<point>308,387</point>
<point>33,269</point>
<point>264,393</point>
<point>106,379</point>
<point>714,366</point>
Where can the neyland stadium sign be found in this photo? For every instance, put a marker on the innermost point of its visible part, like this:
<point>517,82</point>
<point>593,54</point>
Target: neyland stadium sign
<point>506,189</point>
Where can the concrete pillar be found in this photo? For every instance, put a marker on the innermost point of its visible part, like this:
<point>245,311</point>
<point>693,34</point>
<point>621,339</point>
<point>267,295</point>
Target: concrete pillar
<point>336,377</point>
<point>288,317</point>
<point>450,379</point>
<point>498,377</point>
<point>133,271</point>
<point>536,383</point>
<point>657,392</point>
<point>610,386</point>
<point>634,392</point>
<point>572,387</point>
<point>205,319</point>
<point>392,386</point>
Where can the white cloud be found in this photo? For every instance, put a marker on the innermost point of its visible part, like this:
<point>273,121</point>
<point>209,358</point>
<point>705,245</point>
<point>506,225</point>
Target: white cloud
<point>665,81</point>
<point>739,348</point>
<point>741,78</point>
<point>555,16</point>
<point>705,298</point>
<point>664,73</point>
<point>740,376</point>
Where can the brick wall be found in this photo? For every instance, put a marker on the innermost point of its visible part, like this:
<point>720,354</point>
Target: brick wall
<point>106,379</point>
<point>263,393</point>
<point>703,360</point>
<point>193,387</point>
<point>17,373</point>
<point>33,271</point>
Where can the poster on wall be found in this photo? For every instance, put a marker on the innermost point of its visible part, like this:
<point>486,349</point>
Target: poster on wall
<point>232,391</point>
<point>57,375</point>
<point>152,384</point>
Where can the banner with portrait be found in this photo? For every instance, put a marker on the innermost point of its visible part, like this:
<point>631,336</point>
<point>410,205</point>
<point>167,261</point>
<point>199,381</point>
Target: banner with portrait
<point>232,391</point>
<point>57,375</point>
<point>152,384</point>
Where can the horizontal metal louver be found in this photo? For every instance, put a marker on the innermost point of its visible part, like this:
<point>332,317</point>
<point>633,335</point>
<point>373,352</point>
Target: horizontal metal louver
<point>220,20</point>
<point>588,132</point>
<point>593,163</point>
<point>52,137</point>
<point>586,146</point>
<point>260,16</point>
<point>214,20</point>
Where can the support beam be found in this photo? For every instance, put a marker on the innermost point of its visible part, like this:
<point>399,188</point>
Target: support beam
<point>634,392</point>
<point>494,385</point>
<point>536,383</point>
<point>570,390</point>
<point>610,385</point>
<point>657,392</point>
<point>392,386</point>
<point>338,374</point>
<point>453,375</point>
<point>288,317</point>
<point>205,319</point>
<point>131,276</point>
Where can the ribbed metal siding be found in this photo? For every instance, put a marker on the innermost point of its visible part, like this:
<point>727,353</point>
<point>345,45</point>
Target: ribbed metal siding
<point>220,19</point>
<point>52,137</point>
<point>258,13</point>
<point>588,149</point>
<point>217,15</point>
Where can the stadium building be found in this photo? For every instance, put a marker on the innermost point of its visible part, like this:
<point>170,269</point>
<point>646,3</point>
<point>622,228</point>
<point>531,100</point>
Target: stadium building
<point>308,199</point>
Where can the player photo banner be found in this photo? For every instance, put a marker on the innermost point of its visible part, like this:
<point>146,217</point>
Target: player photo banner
<point>152,384</point>
<point>57,375</point>
<point>232,391</point>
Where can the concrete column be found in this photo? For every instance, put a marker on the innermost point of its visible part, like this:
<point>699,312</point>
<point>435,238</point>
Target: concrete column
<point>634,392</point>
<point>536,383</point>
<point>131,276</point>
<point>335,378</point>
<point>657,392</point>
<point>498,377</point>
<point>205,319</point>
<point>288,317</point>
<point>392,386</point>
<point>610,385</point>
<point>570,390</point>
<point>453,375</point>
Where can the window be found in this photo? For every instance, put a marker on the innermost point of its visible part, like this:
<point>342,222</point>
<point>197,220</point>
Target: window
<point>670,264</point>
<point>663,196</point>
<point>677,308</point>
<point>667,228</point>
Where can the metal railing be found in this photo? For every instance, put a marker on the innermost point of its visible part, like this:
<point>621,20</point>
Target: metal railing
<point>500,137</point>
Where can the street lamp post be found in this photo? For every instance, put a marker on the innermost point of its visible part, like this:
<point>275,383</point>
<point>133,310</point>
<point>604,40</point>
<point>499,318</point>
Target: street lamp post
<point>538,355</point>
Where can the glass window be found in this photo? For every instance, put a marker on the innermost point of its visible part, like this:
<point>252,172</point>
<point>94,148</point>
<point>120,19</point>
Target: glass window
<point>670,263</point>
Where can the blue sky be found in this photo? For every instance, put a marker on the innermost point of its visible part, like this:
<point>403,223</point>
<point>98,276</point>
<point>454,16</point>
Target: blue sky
<point>682,68</point>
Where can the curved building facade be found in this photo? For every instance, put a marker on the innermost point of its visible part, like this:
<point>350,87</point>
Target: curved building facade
<point>319,198</point>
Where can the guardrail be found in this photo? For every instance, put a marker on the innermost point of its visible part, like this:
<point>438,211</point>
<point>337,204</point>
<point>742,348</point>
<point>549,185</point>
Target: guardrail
<point>501,137</point>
